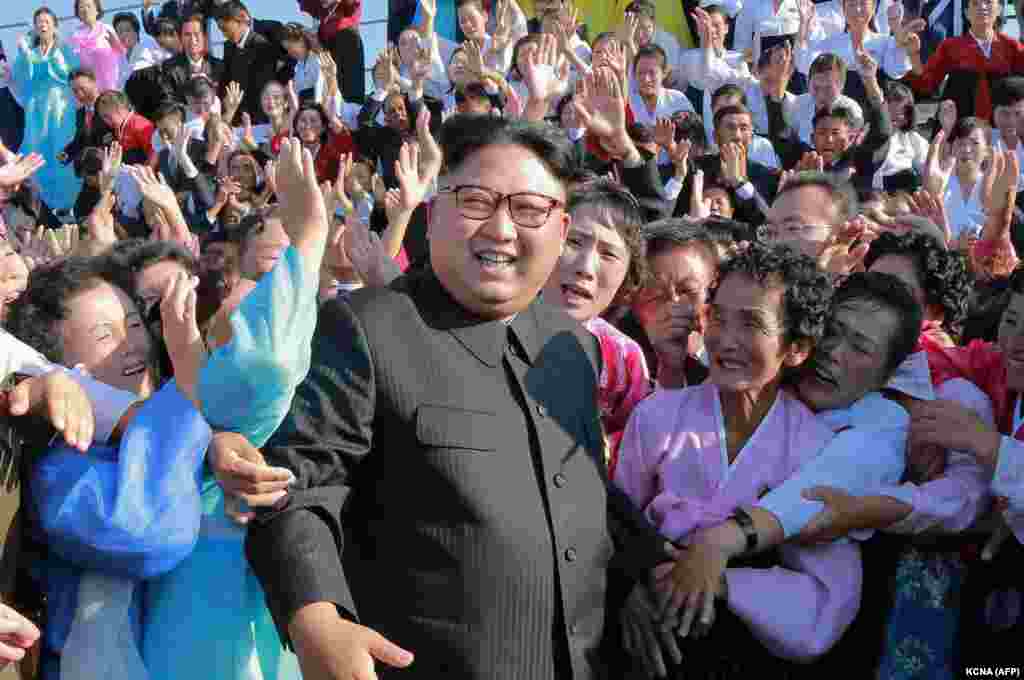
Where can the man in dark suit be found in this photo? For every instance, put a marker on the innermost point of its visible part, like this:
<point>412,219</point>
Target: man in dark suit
<point>175,10</point>
<point>194,61</point>
<point>447,441</point>
<point>253,56</point>
<point>180,159</point>
<point>90,130</point>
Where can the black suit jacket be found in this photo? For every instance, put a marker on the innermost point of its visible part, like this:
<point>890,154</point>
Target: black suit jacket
<point>176,74</point>
<point>253,66</point>
<point>177,11</point>
<point>463,480</point>
<point>98,134</point>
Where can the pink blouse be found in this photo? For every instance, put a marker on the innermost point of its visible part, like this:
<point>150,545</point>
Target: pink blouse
<point>98,52</point>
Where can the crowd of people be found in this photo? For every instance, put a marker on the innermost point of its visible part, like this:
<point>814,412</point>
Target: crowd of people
<point>666,341</point>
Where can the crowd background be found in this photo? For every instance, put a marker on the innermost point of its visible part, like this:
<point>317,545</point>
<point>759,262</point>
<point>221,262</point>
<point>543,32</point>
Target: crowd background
<point>789,226</point>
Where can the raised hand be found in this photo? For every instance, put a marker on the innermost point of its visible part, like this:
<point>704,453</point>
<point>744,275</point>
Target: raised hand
<point>429,9</point>
<point>734,164</point>
<point>665,134</point>
<point>867,66</point>
<point>474,59</point>
<point>924,203</point>
<point>302,210</point>
<point>539,71</point>
<point>232,100</point>
<point>503,24</point>
<point>600,105</point>
<point>938,165</point>
<point>703,20</point>
<point>680,157</point>
<point>628,29</point>
<point>807,15</point>
<point>181,332</point>
<point>811,162</point>
<point>846,250</point>
<point>248,137</point>
<point>328,67</point>
<point>13,174</point>
<point>153,187</point>
<point>366,253</point>
<point>339,194</point>
<point>113,157</point>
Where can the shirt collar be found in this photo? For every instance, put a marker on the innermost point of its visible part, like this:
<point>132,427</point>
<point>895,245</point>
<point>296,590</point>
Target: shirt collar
<point>245,37</point>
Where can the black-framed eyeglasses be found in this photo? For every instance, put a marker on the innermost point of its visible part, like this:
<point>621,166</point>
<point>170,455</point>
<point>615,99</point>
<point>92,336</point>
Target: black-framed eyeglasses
<point>526,208</point>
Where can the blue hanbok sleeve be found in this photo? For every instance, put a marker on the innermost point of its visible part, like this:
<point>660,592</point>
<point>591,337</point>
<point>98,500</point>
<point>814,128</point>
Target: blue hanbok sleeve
<point>247,385</point>
<point>133,511</point>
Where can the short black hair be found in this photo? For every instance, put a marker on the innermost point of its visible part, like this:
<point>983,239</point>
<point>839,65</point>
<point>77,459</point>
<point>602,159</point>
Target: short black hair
<point>652,50</point>
<point>642,8</point>
<point>130,18</point>
<point>97,3</point>
<point>1008,91</point>
<point>233,9</point>
<point>35,315</point>
<point>168,108</point>
<point>127,258</point>
<point>464,134</point>
<point>677,232</point>
<point>839,112</point>
<point>82,73</point>
<point>843,195</point>
<point>888,291</point>
<point>965,126</point>
<point>808,290</point>
<point>690,127</point>
<point>165,26</point>
<point>729,90</point>
<point>628,219</point>
<point>944,274</point>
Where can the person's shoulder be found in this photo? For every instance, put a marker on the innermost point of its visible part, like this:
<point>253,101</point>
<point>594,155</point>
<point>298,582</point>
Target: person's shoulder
<point>657,406</point>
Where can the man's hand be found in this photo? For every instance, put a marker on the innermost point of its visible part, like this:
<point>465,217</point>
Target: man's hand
<point>244,476</point>
<point>17,636</point>
<point>181,333</point>
<point>332,648</point>
<point>734,164</point>
<point>642,636</point>
<point>687,589</point>
<point>952,426</point>
<point>61,401</point>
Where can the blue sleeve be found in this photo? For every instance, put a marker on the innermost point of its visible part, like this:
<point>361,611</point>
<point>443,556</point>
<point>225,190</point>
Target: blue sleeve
<point>133,511</point>
<point>247,385</point>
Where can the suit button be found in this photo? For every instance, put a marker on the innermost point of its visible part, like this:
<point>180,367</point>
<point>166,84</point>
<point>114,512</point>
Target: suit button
<point>574,629</point>
<point>570,554</point>
<point>560,480</point>
<point>541,411</point>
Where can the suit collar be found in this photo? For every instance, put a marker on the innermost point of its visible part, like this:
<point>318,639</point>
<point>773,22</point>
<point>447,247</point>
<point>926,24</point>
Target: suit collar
<point>484,339</point>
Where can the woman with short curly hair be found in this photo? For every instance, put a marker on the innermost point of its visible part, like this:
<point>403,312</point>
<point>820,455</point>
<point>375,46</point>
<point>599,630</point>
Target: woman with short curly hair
<point>693,457</point>
<point>938,278</point>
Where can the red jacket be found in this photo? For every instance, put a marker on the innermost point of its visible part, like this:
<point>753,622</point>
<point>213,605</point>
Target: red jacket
<point>332,20</point>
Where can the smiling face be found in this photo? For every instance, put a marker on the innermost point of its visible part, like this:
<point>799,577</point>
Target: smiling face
<point>493,267</point>
<point>457,72</point>
<point>274,100</point>
<point>104,332</point>
<point>970,149</point>
<point>85,90</point>
<point>850,360</point>
<point>193,40</point>
<point>593,265</point>
<point>826,86</point>
<point>242,169</point>
<point>408,44</point>
<point>832,137</point>
<point>898,106</point>
<point>745,335</point>
<point>859,13</point>
<point>803,219</point>
<point>983,13</point>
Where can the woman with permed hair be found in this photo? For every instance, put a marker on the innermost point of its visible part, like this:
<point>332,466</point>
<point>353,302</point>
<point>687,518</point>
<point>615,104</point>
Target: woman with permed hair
<point>694,457</point>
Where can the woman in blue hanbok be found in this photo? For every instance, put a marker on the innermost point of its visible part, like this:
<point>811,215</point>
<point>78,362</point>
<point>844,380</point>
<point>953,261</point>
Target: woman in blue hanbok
<point>115,518</point>
<point>40,83</point>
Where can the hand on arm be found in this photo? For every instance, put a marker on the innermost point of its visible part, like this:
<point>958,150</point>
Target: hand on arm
<point>244,475</point>
<point>61,401</point>
<point>955,427</point>
<point>181,333</point>
<point>845,513</point>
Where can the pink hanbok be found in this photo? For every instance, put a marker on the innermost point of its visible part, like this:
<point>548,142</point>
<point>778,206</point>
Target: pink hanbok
<point>674,465</point>
<point>98,51</point>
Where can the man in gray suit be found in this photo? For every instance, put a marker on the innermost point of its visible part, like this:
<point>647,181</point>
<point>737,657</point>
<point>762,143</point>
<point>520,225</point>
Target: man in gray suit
<point>450,493</point>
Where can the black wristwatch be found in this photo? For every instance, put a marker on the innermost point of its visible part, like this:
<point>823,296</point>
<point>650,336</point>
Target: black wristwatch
<point>746,524</point>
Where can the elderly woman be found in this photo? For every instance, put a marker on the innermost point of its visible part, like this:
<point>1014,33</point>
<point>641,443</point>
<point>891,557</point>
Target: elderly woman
<point>694,457</point>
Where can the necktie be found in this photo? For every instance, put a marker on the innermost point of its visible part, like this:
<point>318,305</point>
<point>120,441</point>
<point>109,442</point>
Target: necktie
<point>88,119</point>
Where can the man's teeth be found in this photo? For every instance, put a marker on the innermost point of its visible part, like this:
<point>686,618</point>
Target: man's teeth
<point>495,258</point>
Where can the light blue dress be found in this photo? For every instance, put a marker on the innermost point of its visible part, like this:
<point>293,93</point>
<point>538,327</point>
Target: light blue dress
<point>208,617</point>
<point>40,83</point>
